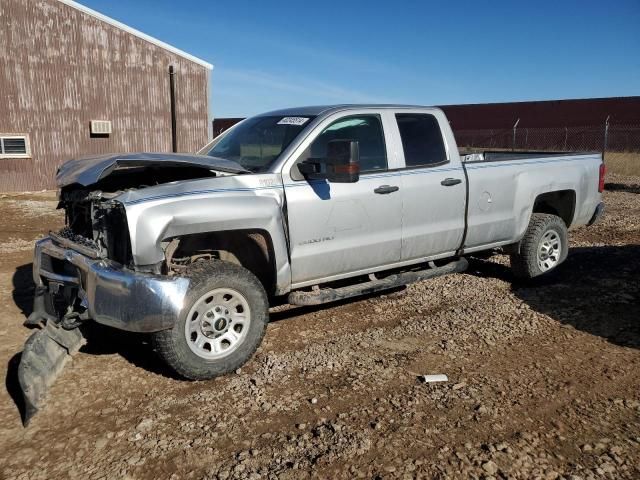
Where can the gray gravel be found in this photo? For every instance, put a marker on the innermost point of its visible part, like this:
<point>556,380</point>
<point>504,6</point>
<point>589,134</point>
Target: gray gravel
<point>543,382</point>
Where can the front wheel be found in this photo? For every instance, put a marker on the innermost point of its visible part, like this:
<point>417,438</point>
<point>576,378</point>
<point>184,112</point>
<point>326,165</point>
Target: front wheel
<point>543,247</point>
<point>221,325</point>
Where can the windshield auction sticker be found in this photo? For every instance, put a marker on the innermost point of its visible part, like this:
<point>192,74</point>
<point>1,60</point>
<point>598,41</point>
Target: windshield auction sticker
<point>293,121</point>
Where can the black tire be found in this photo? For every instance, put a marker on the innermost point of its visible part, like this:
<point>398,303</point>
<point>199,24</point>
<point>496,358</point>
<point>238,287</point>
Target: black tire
<point>525,263</point>
<point>204,277</point>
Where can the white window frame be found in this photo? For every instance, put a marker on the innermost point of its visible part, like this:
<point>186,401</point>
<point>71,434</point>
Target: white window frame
<point>10,136</point>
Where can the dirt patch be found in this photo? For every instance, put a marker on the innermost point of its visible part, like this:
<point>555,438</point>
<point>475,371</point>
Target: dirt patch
<point>25,218</point>
<point>623,163</point>
<point>543,379</point>
<point>15,245</point>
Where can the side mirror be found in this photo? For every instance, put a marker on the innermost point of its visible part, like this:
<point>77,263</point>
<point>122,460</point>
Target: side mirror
<point>340,166</point>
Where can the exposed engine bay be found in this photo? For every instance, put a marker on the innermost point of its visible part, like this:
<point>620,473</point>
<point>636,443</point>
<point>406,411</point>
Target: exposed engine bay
<point>94,219</point>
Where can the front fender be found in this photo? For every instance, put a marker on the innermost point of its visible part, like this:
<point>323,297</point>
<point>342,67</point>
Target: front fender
<point>213,205</point>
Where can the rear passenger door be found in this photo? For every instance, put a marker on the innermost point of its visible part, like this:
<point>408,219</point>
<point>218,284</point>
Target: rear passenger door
<point>433,187</point>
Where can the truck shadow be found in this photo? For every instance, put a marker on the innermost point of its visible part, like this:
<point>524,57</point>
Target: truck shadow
<point>134,347</point>
<point>622,187</point>
<point>12,384</point>
<point>597,290</point>
<point>23,288</point>
<point>295,311</point>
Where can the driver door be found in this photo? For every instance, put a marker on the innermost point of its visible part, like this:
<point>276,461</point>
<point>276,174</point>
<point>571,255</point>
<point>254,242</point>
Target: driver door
<point>340,229</point>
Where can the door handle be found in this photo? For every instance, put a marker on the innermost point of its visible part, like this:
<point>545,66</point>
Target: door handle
<point>384,189</point>
<point>449,182</point>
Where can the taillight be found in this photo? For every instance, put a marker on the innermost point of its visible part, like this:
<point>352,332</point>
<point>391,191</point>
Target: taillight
<point>603,171</point>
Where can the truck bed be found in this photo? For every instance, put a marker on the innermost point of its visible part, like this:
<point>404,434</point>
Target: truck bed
<point>472,156</point>
<point>503,187</point>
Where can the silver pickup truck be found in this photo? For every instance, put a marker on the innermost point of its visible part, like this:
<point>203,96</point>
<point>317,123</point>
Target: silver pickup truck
<point>304,206</point>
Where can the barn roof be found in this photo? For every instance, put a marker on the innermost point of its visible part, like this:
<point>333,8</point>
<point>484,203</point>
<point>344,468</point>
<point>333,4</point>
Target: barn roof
<point>136,33</point>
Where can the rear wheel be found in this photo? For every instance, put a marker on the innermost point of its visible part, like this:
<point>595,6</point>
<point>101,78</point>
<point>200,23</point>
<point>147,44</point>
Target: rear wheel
<point>543,247</point>
<point>221,325</point>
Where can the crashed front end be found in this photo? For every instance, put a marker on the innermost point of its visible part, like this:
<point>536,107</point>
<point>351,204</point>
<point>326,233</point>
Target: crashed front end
<point>77,281</point>
<point>87,271</point>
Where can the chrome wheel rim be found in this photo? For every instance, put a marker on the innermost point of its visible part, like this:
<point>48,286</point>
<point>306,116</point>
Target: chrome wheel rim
<point>549,250</point>
<point>217,323</point>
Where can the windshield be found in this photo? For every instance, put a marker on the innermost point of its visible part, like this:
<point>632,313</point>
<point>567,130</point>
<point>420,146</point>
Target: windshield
<point>257,142</point>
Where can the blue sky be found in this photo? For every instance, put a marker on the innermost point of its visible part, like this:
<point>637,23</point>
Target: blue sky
<point>276,54</point>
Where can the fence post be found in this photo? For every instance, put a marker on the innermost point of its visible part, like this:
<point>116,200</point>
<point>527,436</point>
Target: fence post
<point>606,136</point>
<point>566,134</point>
<point>515,126</point>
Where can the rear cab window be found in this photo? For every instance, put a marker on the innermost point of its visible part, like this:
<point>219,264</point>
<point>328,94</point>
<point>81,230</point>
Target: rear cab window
<point>422,140</point>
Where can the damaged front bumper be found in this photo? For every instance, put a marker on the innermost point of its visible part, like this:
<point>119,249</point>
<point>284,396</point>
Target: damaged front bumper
<point>107,292</point>
<point>74,283</point>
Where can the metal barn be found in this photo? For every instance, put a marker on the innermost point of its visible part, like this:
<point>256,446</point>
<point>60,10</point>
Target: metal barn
<point>74,82</point>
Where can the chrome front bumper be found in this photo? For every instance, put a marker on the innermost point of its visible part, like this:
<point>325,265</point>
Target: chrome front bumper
<point>111,294</point>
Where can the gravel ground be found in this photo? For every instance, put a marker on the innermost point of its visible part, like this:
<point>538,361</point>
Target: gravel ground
<point>543,380</point>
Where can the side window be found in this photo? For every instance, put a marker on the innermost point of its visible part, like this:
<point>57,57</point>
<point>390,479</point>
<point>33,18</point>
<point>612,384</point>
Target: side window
<point>365,129</point>
<point>421,139</point>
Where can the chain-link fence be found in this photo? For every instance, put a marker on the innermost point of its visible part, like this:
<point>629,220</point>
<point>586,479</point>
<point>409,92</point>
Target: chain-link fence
<point>612,138</point>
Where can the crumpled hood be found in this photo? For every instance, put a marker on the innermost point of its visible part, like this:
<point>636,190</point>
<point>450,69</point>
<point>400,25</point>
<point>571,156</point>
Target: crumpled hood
<point>86,171</point>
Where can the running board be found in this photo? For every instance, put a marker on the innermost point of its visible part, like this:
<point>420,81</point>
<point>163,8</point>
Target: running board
<point>327,295</point>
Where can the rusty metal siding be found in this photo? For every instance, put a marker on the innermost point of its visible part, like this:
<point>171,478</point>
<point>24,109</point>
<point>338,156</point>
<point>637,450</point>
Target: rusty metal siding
<point>62,68</point>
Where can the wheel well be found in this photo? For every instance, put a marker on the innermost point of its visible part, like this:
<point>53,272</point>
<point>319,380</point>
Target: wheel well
<point>251,249</point>
<point>561,203</point>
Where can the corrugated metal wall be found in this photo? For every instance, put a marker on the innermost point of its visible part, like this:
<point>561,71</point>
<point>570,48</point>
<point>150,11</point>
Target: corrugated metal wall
<point>60,68</point>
